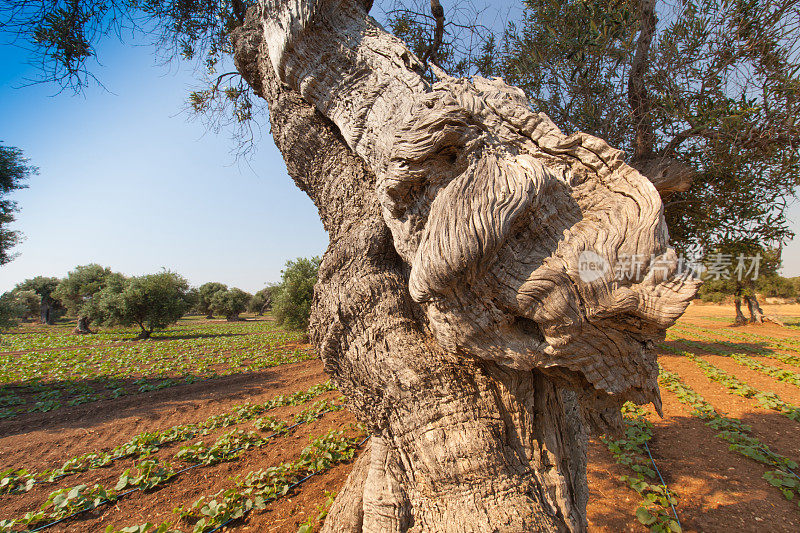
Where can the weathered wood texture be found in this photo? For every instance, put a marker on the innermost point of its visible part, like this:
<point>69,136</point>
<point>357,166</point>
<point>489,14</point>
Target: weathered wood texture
<point>451,307</point>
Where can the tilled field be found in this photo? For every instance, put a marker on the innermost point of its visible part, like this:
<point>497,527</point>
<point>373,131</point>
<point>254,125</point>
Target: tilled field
<point>215,423</point>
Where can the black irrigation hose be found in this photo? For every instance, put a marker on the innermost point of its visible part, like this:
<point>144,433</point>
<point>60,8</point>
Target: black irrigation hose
<point>104,502</point>
<point>76,513</point>
<point>784,466</point>
<point>292,486</point>
<point>646,447</point>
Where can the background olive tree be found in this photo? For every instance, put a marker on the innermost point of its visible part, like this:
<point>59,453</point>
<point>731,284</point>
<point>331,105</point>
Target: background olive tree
<point>77,290</point>
<point>152,302</point>
<point>230,303</point>
<point>14,171</point>
<point>292,303</point>
<point>205,296</point>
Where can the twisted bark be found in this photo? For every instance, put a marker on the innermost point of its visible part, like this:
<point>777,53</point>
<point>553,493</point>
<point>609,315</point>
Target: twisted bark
<point>451,307</point>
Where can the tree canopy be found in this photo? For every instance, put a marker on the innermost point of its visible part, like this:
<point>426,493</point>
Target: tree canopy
<point>77,290</point>
<point>14,170</point>
<point>229,303</point>
<point>45,287</point>
<point>262,300</point>
<point>151,302</point>
<point>710,87</point>
<point>292,305</point>
<point>205,297</point>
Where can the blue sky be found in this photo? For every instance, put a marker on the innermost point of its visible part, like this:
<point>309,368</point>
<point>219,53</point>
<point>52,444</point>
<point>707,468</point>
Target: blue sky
<point>128,181</point>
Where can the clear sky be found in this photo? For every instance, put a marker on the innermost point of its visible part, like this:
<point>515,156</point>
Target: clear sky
<point>128,181</point>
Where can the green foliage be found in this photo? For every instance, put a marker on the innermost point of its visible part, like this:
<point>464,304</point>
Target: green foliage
<point>14,170</point>
<point>262,486</point>
<point>15,481</point>
<point>776,286</point>
<point>783,344</point>
<point>147,475</point>
<point>144,444</point>
<point>10,310</point>
<point>64,502</point>
<point>229,303</point>
<point>263,299</point>
<point>292,307</point>
<point>721,91</point>
<point>787,376</point>
<point>736,433</point>
<point>322,513</point>
<point>80,285</point>
<point>205,296</point>
<point>768,400</point>
<point>29,302</point>
<point>53,370</point>
<point>44,287</point>
<point>151,302</point>
<point>41,285</point>
<point>147,527</point>
<point>655,508</point>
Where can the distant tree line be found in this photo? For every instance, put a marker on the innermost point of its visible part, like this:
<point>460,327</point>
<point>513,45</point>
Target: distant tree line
<point>97,296</point>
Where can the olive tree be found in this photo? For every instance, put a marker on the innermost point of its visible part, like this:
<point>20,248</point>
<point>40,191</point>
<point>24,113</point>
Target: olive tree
<point>469,303</point>
<point>14,171</point>
<point>10,310</point>
<point>230,303</point>
<point>77,290</point>
<point>44,287</point>
<point>152,302</point>
<point>205,297</point>
<point>293,299</point>
<point>262,300</point>
<point>702,97</point>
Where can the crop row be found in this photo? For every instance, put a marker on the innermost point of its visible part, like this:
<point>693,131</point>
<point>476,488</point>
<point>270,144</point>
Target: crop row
<point>254,492</point>
<point>768,400</point>
<point>707,335</point>
<point>737,434</point>
<point>260,487</point>
<point>112,372</point>
<point>62,337</point>
<point>738,337</point>
<point>149,474</point>
<point>786,376</point>
<point>153,355</point>
<point>17,480</point>
<point>629,451</point>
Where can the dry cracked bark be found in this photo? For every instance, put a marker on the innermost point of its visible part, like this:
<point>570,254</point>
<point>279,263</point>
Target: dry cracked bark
<point>451,306</point>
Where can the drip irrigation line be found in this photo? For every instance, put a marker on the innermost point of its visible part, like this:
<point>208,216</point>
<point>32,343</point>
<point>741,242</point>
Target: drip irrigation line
<point>76,513</point>
<point>784,466</point>
<point>646,447</point>
<point>292,486</point>
<point>119,496</point>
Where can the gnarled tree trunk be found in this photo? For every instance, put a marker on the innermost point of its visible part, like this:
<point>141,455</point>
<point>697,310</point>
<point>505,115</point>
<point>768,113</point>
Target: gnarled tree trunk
<point>756,314</point>
<point>468,303</point>
<point>740,318</point>
<point>83,326</point>
<point>46,312</point>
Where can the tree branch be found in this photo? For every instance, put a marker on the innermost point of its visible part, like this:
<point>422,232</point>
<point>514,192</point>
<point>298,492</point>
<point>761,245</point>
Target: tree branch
<point>638,96</point>
<point>431,54</point>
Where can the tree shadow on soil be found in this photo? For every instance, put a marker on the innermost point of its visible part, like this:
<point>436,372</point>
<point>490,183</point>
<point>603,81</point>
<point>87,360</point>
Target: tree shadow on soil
<point>240,386</point>
<point>751,349</point>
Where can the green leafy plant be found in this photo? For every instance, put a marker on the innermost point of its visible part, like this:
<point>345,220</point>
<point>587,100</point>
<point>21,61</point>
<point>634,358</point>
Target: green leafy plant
<point>769,400</point>
<point>654,510</point>
<point>735,432</point>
